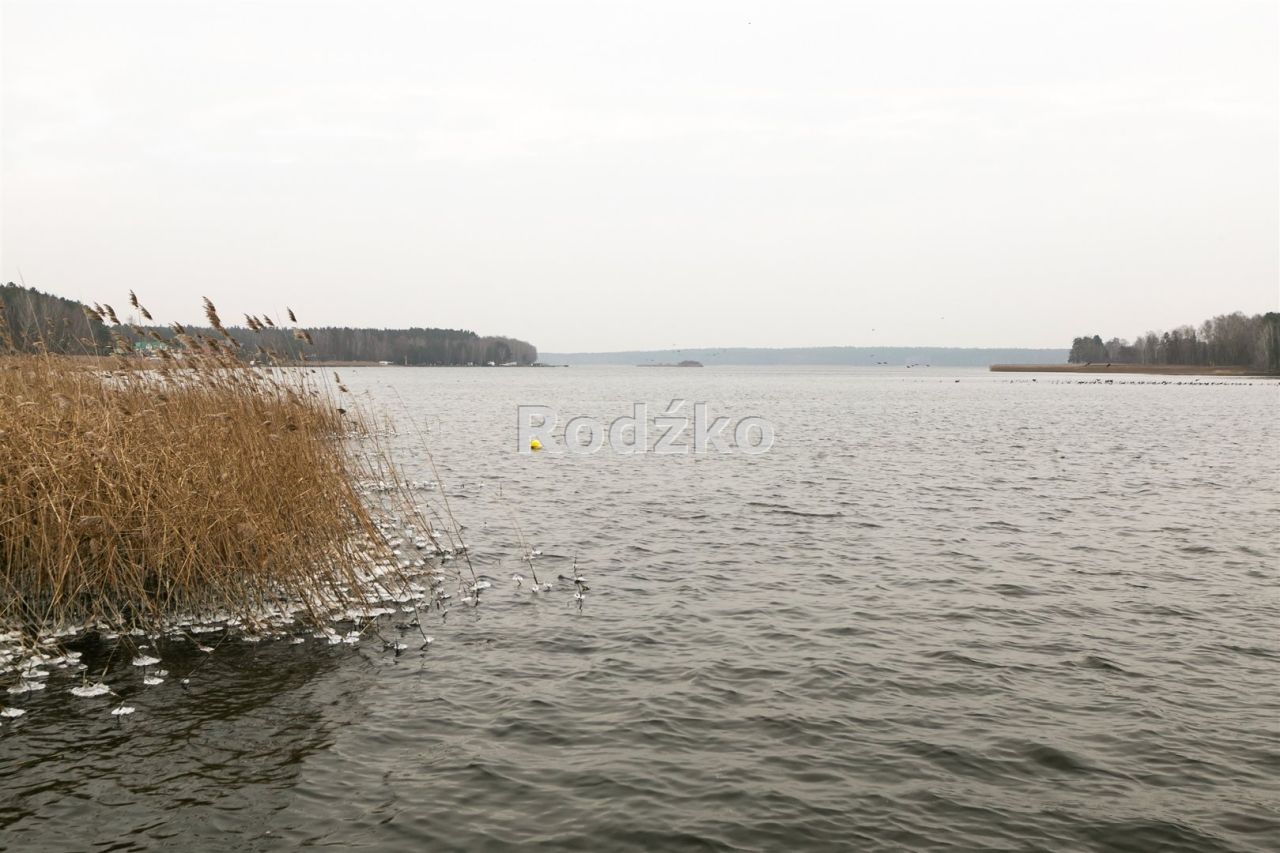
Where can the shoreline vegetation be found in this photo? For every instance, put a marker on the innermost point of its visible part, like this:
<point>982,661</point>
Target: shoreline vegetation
<point>154,499</point>
<point>1152,369</point>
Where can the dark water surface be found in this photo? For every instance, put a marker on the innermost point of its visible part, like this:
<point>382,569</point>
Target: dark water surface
<point>992,614</point>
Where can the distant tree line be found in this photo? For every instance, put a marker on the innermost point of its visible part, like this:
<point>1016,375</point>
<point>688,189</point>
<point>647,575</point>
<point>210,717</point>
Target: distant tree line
<point>1234,340</point>
<point>33,320</point>
<point>399,346</point>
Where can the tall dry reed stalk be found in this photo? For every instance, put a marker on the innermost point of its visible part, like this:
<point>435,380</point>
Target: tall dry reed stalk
<point>135,490</point>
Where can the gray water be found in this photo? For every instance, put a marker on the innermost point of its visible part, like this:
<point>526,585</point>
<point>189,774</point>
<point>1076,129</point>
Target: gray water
<point>989,614</point>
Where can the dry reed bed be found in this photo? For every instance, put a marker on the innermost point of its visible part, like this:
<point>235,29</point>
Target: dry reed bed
<point>137,496</point>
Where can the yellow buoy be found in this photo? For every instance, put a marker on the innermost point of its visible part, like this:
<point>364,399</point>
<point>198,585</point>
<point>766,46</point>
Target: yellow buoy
<point>535,444</point>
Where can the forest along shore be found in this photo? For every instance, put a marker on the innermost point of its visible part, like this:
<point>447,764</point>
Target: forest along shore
<point>1157,369</point>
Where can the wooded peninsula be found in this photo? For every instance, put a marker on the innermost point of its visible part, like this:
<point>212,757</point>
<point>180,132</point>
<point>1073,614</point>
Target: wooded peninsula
<point>61,326</point>
<point>1226,341</point>
<point>1226,345</point>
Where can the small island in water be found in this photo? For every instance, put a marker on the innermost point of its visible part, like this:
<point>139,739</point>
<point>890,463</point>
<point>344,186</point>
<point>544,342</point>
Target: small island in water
<point>685,363</point>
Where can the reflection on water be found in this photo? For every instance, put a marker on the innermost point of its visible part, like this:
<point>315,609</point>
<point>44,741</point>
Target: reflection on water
<point>986,614</point>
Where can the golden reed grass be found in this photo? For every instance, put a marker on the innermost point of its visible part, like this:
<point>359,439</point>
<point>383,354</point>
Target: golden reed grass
<point>191,484</point>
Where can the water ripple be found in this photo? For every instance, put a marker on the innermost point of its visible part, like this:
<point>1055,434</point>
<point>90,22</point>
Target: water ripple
<point>936,616</point>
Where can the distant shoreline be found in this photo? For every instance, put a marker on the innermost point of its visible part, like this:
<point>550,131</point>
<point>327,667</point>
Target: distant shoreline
<point>861,356</point>
<point>1156,369</point>
<point>137,359</point>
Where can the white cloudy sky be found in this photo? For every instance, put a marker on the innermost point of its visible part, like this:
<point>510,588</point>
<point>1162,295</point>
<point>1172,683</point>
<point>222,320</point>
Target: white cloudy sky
<point>609,175</point>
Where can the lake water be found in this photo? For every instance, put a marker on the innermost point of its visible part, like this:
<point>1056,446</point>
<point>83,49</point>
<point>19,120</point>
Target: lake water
<point>946,611</point>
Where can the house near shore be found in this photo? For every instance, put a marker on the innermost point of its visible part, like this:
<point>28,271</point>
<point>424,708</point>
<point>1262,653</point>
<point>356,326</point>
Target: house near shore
<point>148,349</point>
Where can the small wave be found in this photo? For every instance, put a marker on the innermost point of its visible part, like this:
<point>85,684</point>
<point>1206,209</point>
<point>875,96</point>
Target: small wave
<point>1253,651</point>
<point>1013,590</point>
<point>1057,759</point>
<point>802,514</point>
<point>1098,662</point>
<point>955,657</point>
<point>1140,836</point>
<point>1000,524</point>
<point>956,759</point>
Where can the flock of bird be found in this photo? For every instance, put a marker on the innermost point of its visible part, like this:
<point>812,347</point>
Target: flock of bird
<point>1100,381</point>
<point>406,587</point>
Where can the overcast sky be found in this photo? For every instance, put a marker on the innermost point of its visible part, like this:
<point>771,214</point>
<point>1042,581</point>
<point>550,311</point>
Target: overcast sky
<point>602,176</point>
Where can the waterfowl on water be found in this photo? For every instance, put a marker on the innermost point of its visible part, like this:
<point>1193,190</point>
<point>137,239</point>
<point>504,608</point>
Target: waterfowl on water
<point>88,691</point>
